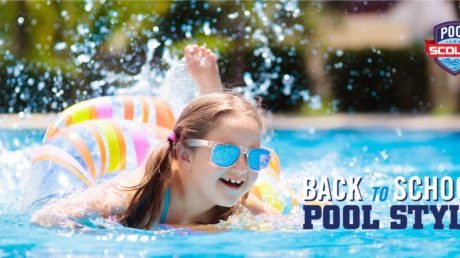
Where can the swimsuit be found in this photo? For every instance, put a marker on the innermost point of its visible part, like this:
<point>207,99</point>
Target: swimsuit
<point>165,206</point>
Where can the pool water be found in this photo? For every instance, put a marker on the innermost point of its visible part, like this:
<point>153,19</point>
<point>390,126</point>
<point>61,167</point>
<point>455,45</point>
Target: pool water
<point>375,154</point>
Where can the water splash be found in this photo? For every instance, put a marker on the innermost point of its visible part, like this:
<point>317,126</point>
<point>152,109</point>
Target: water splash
<point>14,171</point>
<point>110,53</point>
<point>176,86</point>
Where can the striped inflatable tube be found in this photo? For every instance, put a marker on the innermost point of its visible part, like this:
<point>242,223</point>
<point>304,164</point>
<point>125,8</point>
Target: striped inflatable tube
<point>94,140</point>
<point>90,152</point>
<point>143,109</point>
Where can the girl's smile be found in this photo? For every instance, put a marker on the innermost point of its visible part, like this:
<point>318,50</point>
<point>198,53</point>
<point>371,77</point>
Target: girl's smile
<point>225,186</point>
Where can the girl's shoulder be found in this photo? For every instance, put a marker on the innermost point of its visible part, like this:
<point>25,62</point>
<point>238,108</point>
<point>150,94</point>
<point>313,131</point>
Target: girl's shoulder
<point>114,196</point>
<point>128,180</point>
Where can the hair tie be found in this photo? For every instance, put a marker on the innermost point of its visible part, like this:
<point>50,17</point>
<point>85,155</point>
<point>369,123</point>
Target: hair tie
<point>172,137</point>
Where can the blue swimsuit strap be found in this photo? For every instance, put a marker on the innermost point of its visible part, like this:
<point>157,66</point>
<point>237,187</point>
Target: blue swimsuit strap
<point>165,206</point>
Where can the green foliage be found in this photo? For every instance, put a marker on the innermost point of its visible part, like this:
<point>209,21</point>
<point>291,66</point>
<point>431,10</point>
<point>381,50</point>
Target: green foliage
<point>63,46</point>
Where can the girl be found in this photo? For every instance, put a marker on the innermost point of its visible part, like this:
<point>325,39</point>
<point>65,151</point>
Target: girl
<point>201,174</point>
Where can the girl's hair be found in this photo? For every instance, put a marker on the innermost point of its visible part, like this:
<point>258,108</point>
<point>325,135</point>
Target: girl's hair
<point>195,121</point>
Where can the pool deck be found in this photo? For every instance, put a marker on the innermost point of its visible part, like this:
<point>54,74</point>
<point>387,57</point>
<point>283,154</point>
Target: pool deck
<point>357,121</point>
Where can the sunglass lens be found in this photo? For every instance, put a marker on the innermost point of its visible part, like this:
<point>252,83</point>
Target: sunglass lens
<point>258,159</point>
<point>225,155</point>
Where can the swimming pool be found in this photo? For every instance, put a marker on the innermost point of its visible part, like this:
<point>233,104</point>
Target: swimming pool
<point>376,154</point>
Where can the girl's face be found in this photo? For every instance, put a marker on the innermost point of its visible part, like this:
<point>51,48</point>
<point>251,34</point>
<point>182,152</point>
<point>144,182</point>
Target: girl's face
<point>209,179</point>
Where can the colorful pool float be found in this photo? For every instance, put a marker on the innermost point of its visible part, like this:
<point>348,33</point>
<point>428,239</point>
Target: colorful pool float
<point>94,140</point>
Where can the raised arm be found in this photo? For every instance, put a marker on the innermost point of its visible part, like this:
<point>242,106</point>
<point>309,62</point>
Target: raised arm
<point>203,68</point>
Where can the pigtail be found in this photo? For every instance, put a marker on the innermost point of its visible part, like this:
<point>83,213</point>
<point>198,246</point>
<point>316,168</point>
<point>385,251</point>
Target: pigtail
<point>195,121</point>
<point>146,203</point>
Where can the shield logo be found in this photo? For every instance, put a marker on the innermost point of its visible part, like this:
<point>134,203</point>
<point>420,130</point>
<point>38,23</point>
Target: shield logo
<point>448,33</point>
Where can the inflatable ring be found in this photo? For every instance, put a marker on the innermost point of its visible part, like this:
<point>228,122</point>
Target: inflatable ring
<point>144,109</point>
<point>94,140</point>
<point>268,189</point>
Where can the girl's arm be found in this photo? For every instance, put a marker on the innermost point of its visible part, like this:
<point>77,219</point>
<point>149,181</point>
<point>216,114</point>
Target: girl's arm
<point>203,68</point>
<point>104,200</point>
<point>256,206</point>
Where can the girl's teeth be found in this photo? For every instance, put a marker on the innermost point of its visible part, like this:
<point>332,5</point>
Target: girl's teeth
<point>233,181</point>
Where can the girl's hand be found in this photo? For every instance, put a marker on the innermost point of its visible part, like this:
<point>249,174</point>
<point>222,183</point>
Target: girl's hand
<point>47,217</point>
<point>202,66</point>
<point>256,206</point>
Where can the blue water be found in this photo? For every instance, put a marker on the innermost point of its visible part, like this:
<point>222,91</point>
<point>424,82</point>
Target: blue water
<point>377,155</point>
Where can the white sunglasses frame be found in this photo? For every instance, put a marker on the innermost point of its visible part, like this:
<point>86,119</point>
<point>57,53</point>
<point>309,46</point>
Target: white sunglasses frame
<point>191,142</point>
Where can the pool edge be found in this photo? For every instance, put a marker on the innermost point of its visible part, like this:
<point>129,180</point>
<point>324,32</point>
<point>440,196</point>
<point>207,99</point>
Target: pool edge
<point>290,122</point>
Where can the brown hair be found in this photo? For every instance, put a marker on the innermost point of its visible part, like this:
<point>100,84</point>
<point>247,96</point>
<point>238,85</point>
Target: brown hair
<point>195,121</point>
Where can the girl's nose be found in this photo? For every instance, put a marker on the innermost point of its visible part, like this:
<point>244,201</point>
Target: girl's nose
<point>241,165</point>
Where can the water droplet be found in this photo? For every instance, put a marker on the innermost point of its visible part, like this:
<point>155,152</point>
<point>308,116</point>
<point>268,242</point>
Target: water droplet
<point>315,102</point>
<point>83,59</point>
<point>132,238</point>
<point>339,52</point>
<point>82,29</point>
<point>60,46</point>
<point>233,16</point>
<point>88,5</point>
<point>21,20</point>
<point>65,15</point>
<point>41,86</point>
<point>120,238</point>
<point>384,155</point>
<point>206,29</point>
<point>305,95</point>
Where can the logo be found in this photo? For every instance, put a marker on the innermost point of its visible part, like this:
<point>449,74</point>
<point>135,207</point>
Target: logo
<point>445,48</point>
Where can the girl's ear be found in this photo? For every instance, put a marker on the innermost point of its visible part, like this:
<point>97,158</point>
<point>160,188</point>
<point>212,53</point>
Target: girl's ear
<point>184,156</point>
